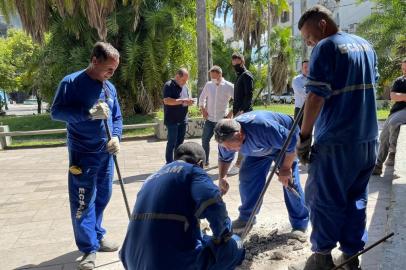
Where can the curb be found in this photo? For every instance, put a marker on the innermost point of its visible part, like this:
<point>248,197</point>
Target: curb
<point>394,249</point>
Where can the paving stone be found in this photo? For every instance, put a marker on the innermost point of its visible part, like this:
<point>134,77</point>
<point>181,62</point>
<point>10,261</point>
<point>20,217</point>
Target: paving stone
<point>38,225</point>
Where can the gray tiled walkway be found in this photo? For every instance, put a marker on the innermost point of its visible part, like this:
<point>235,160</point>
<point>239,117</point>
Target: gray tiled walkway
<point>35,228</point>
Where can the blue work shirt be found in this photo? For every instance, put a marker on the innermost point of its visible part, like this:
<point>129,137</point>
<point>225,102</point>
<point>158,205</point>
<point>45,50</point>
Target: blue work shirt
<point>343,70</point>
<point>164,231</point>
<point>76,95</point>
<point>265,133</point>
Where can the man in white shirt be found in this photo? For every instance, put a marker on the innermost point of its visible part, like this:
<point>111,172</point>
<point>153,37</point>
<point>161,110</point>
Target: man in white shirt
<point>298,85</point>
<point>213,103</point>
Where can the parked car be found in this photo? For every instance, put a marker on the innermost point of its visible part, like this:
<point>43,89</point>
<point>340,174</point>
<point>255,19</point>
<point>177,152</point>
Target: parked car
<point>286,98</point>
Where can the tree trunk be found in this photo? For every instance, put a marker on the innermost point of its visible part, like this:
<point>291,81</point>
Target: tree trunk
<point>202,49</point>
<point>39,102</point>
<point>268,77</point>
<point>210,50</point>
<point>303,7</point>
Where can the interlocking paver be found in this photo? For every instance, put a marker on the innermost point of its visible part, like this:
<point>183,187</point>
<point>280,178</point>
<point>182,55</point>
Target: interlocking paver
<point>35,226</point>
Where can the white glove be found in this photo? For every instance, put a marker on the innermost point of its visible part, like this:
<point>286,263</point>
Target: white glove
<point>100,111</point>
<point>113,146</point>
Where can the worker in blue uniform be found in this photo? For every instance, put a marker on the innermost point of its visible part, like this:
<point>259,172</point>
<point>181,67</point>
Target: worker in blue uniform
<point>259,136</point>
<point>84,99</point>
<point>164,232</point>
<point>341,105</point>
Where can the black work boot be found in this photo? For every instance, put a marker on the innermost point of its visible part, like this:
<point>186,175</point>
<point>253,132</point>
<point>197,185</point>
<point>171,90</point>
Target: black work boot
<point>316,261</point>
<point>239,226</point>
<point>352,265</point>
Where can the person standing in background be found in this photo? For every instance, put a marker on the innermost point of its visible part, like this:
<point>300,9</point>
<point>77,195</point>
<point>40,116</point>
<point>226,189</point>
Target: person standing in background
<point>298,85</point>
<point>213,103</point>
<point>243,93</point>
<point>175,111</point>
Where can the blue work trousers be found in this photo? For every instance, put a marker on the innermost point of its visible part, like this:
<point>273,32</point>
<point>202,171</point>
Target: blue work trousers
<point>208,131</point>
<point>176,136</point>
<point>253,173</point>
<point>337,194</point>
<point>226,256</point>
<point>89,192</point>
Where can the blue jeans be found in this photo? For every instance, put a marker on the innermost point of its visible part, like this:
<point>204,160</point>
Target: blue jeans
<point>176,135</point>
<point>208,131</point>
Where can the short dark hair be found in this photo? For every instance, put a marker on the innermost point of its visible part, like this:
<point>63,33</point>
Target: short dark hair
<point>190,152</point>
<point>404,60</point>
<point>305,61</point>
<point>225,129</point>
<point>237,55</point>
<point>103,51</point>
<point>315,14</point>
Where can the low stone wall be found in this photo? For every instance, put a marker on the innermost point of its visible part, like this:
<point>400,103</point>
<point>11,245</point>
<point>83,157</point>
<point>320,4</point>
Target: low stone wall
<point>4,141</point>
<point>193,129</point>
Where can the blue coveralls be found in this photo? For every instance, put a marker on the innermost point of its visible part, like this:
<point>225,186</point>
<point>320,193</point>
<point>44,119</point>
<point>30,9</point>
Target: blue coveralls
<point>343,70</point>
<point>89,190</point>
<point>164,231</point>
<point>265,133</point>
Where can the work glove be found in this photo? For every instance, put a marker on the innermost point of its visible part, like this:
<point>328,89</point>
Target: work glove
<point>100,111</point>
<point>303,149</point>
<point>113,146</point>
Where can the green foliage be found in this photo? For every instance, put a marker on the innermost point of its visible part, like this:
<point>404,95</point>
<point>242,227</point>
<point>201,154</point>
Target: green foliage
<point>283,57</point>
<point>16,54</point>
<point>163,41</point>
<point>222,52</point>
<point>386,29</point>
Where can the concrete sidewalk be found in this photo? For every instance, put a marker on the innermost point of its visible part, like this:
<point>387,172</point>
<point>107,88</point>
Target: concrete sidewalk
<point>395,248</point>
<point>35,226</point>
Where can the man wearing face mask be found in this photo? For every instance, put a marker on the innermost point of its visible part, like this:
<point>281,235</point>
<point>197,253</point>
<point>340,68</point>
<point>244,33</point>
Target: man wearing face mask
<point>341,105</point>
<point>213,103</point>
<point>84,99</point>
<point>243,92</point>
<point>175,111</point>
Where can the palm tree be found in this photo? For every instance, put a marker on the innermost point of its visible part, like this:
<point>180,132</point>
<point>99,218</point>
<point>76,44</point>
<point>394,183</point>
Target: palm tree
<point>202,45</point>
<point>154,37</point>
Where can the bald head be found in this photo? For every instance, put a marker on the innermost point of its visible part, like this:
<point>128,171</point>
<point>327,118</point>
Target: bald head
<point>182,76</point>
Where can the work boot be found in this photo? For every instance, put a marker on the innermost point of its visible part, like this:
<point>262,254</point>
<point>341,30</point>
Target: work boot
<point>299,235</point>
<point>316,261</point>
<point>88,261</point>
<point>107,246</point>
<point>377,170</point>
<point>353,265</point>
<point>239,226</point>
<point>391,160</point>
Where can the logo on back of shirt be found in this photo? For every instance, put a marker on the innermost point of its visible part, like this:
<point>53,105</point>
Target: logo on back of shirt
<point>354,47</point>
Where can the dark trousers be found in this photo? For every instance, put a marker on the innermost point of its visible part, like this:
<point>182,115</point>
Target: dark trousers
<point>208,131</point>
<point>176,136</point>
<point>295,115</point>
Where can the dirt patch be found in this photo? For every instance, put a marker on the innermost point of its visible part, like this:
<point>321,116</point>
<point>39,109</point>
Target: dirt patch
<point>270,247</point>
